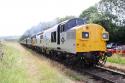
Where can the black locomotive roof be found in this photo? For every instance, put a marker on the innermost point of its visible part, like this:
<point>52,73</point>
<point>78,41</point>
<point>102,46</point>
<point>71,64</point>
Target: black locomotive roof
<point>72,23</point>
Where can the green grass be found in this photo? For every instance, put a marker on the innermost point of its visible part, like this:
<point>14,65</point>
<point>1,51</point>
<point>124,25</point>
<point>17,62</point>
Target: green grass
<point>12,69</point>
<point>50,74</point>
<point>116,59</point>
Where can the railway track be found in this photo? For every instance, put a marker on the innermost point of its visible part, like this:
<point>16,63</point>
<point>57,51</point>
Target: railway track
<point>99,74</point>
<point>105,75</point>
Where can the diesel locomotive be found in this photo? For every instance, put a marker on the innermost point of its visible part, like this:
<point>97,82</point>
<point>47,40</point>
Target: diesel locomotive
<point>73,38</point>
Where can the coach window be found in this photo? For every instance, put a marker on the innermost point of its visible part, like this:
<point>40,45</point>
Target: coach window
<point>41,37</point>
<point>53,36</point>
<point>35,39</point>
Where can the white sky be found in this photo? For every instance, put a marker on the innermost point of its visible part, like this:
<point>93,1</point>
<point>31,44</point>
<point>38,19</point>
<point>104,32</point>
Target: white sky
<point>16,16</point>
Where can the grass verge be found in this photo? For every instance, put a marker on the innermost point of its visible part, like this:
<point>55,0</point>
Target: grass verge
<point>116,59</point>
<point>49,73</point>
<point>12,69</point>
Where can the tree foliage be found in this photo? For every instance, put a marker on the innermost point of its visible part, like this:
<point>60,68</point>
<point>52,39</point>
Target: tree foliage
<point>111,15</point>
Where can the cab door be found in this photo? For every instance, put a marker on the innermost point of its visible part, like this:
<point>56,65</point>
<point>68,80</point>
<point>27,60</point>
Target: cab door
<point>58,35</point>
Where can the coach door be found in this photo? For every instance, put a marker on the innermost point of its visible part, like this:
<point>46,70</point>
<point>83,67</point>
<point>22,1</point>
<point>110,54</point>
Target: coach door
<point>58,35</point>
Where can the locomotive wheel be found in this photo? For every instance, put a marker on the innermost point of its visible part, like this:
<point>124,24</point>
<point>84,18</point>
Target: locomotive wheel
<point>102,60</point>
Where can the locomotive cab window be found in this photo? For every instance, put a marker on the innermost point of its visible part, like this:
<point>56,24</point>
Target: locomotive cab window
<point>85,35</point>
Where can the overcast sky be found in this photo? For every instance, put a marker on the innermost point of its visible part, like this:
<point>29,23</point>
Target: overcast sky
<point>16,16</point>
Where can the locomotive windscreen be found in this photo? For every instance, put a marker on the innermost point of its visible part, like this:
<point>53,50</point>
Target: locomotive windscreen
<point>74,22</point>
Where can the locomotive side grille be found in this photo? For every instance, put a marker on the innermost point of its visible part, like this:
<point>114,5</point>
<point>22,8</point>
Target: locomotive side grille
<point>70,35</point>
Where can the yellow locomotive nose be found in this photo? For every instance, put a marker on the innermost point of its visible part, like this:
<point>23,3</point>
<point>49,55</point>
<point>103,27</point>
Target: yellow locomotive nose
<point>91,37</point>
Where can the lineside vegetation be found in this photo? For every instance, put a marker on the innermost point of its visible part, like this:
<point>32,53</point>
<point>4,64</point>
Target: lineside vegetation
<point>11,68</point>
<point>119,59</point>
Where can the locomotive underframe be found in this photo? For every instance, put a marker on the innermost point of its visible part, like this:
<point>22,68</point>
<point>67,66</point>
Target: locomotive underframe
<point>88,58</point>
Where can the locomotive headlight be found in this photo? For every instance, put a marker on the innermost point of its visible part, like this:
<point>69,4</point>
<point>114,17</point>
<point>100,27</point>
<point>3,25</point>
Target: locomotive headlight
<point>105,36</point>
<point>85,34</point>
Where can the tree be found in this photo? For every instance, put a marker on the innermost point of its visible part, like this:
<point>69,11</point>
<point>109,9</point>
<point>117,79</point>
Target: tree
<point>114,7</point>
<point>90,14</point>
<point>111,15</point>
